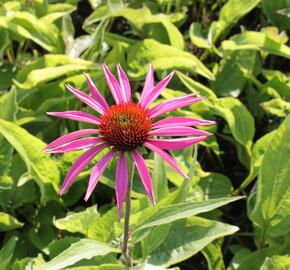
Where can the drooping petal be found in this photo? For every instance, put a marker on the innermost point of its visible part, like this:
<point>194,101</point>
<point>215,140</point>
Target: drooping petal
<point>173,104</point>
<point>178,131</point>
<point>96,93</point>
<point>75,145</point>
<point>181,121</point>
<point>113,85</point>
<point>144,174</point>
<point>97,172</point>
<point>124,83</point>
<point>148,85</point>
<point>157,90</point>
<point>79,165</point>
<point>121,182</point>
<point>166,157</point>
<point>86,99</point>
<point>71,136</point>
<point>78,116</point>
<point>175,144</point>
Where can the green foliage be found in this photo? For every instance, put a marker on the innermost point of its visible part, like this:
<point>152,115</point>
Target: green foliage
<point>233,52</point>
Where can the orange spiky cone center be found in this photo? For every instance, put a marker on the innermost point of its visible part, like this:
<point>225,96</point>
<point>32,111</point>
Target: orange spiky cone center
<point>125,126</point>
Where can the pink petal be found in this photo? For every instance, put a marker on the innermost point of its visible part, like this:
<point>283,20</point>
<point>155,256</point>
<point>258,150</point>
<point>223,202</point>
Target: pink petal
<point>71,136</point>
<point>181,121</point>
<point>175,144</point>
<point>121,182</point>
<point>113,85</point>
<point>98,171</point>
<point>79,165</point>
<point>124,83</point>
<point>144,174</point>
<point>148,85</point>
<point>169,159</point>
<point>173,104</point>
<point>157,90</point>
<point>75,145</point>
<point>86,99</point>
<point>178,131</point>
<point>78,116</point>
<point>96,93</point>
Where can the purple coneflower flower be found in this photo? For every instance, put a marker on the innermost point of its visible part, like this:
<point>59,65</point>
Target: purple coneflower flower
<point>124,127</point>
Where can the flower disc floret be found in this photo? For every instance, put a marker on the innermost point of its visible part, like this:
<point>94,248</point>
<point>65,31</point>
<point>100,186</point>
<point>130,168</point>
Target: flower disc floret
<point>125,126</point>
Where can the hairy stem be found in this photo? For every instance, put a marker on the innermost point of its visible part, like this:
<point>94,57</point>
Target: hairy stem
<point>125,250</point>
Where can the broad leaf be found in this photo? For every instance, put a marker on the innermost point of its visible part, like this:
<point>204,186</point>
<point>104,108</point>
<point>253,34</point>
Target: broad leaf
<point>250,40</point>
<point>78,222</point>
<point>159,178</point>
<point>272,9</point>
<point>40,166</point>
<point>6,253</point>
<point>239,119</point>
<point>199,233</point>
<point>166,214</point>
<point>163,57</point>
<point>271,212</point>
<point>8,109</point>
<point>276,263</point>
<point>47,68</point>
<point>84,249</point>
<point>8,222</point>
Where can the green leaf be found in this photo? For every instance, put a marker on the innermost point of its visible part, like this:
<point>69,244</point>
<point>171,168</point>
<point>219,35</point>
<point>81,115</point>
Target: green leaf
<point>272,8</point>
<point>284,12</point>
<point>47,68</point>
<point>216,185</point>
<point>159,178</point>
<point>8,109</point>
<point>214,255</point>
<point>256,258</point>
<point>165,214</point>
<point>8,222</point>
<point>199,233</point>
<point>83,249</point>
<point>105,266</point>
<point>154,239</point>
<point>56,11</point>
<point>68,31</point>
<point>196,87</point>
<point>6,253</point>
<point>39,164</point>
<point>95,47</point>
<point>196,36</point>
<point>251,40</point>
<point>276,263</point>
<point>4,42</point>
<point>163,57</point>
<point>277,107</point>
<point>78,222</point>
<point>28,26</point>
<point>104,12</point>
<point>230,13</point>
<point>271,212</point>
<point>7,72</point>
<point>103,228</point>
<point>240,253</point>
<point>233,10</point>
<point>258,151</point>
<point>239,119</point>
<point>156,26</point>
<point>240,64</point>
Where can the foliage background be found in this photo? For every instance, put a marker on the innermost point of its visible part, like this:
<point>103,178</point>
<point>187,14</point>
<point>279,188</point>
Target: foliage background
<point>235,53</point>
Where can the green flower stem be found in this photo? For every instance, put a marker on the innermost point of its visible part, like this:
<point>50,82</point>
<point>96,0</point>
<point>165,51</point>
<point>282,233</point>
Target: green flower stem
<point>126,253</point>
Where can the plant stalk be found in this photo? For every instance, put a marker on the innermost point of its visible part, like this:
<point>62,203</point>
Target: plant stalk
<point>126,253</point>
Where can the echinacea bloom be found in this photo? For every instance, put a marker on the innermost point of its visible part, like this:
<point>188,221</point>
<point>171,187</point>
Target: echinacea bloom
<point>125,127</point>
